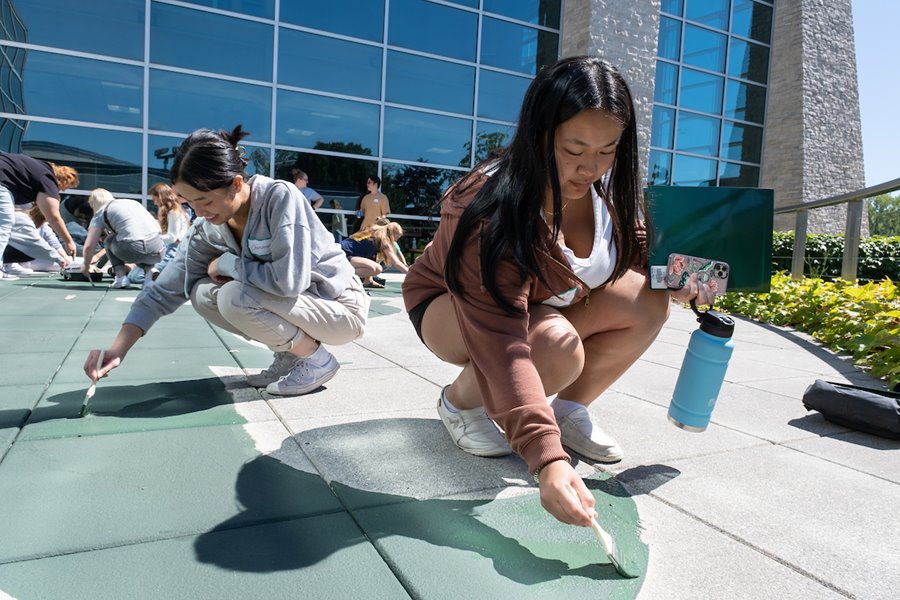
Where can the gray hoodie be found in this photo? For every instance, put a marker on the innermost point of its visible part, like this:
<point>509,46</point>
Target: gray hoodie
<point>286,251</point>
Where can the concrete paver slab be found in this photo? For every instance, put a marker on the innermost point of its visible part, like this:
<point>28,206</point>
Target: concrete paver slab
<point>153,364</point>
<point>7,434</point>
<point>16,402</point>
<point>866,453</point>
<point>32,368</point>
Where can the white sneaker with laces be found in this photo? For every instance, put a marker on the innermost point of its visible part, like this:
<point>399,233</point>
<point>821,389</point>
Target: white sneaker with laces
<point>307,374</point>
<point>17,269</point>
<point>473,431</point>
<point>581,434</point>
<point>280,367</point>
<point>121,282</point>
<point>4,276</point>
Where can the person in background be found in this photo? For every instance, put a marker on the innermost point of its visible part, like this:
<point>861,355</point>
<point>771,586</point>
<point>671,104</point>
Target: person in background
<point>25,180</point>
<point>32,247</point>
<point>301,180</point>
<point>258,263</point>
<point>373,205</point>
<point>368,248</point>
<point>173,222</point>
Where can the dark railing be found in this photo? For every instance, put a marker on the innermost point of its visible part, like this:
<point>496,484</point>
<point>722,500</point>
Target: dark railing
<point>854,201</point>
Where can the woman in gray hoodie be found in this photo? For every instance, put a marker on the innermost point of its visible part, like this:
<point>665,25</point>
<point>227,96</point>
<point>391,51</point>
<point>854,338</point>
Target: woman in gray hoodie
<point>257,262</point>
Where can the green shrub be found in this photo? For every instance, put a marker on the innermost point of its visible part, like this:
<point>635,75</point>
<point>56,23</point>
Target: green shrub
<point>862,321</point>
<point>879,256</point>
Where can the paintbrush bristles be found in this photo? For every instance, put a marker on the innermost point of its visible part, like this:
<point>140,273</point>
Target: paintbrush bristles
<point>85,406</point>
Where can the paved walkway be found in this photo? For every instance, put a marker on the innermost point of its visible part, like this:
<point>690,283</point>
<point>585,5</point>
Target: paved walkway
<point>185,483</point>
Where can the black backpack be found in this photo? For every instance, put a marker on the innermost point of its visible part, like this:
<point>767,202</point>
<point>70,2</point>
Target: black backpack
<point>872,411</point>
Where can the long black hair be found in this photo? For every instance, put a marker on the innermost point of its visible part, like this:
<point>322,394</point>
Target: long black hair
<point>508,208</point>
<point>208,160</point>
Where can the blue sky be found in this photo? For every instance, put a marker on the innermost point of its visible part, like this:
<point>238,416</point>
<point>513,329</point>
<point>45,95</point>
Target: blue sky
<point>875,24</point>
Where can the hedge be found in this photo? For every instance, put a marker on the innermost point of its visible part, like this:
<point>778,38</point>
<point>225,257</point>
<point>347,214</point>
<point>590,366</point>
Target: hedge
<point>879,256</point>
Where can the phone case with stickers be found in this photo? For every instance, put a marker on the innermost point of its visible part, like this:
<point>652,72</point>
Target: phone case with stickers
<point>713,273</point>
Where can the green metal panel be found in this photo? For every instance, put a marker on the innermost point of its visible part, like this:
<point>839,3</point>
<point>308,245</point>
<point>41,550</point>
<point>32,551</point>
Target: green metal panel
<point>722,223</point>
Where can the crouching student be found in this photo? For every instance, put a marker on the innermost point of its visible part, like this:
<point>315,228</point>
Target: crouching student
<point>258,263</point>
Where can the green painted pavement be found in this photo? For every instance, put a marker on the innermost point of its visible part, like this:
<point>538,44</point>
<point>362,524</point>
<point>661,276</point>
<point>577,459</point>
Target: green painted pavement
<point>6,437</point>
<point>16,402</point>
<point>31,368</point>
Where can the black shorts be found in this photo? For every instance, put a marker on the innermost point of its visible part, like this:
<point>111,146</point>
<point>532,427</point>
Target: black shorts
<point>418,313</point>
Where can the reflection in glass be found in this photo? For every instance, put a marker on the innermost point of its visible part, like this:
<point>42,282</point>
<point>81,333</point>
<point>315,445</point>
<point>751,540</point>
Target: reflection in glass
<point>752,20</point>
<point>662,133</point>
<point>741,142</point>
<point>255,8</point>
<point>416,190</point>
<point>659,169</point>
<point>161,150</point>
<point>429,83</point>
<point>328,64</point>
<point>335,177</point>
<point>103,158</point>
<point>11,133</point>
<point>713,13</point>
<point>423,137</point>
<point>433,28</point>
<point>666,86</point>
<point>347,17</point>
<point>184,103</point>
<point>68,87</point>
<point>672,7</point>
<point>691,171</point>
<point>194,39</point>
<point>112,28</point>
<point>700,91</point>
<point>500,95</point>
<point>515,47</point>
<point>490,137</point>
<point>310,121</point>
<point>748,61</point>
<point>735,175</point>
<point>669,38</point>
<point>745,101</point>
<point>696,134</point>
<point>539,12</point>
<point>704,48</point>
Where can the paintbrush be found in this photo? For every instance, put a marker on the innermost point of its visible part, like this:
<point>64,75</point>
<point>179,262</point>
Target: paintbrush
<point>85,406</point>
<point>607,541</point>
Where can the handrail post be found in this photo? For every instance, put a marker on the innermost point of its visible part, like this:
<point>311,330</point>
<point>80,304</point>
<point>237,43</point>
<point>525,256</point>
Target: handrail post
<point>851,240</point>
<point>798,260</point>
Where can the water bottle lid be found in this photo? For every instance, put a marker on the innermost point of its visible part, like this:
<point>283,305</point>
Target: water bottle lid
<point>715,323</point>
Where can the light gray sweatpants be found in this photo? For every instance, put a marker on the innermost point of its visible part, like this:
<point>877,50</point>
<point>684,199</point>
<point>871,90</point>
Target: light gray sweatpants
<point>279,322</point>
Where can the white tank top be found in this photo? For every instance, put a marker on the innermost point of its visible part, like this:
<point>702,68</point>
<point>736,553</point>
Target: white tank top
<point>596,268</point>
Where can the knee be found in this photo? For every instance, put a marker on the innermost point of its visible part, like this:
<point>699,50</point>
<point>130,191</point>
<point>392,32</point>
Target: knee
<point>558,352</point>
<point>231,301</point>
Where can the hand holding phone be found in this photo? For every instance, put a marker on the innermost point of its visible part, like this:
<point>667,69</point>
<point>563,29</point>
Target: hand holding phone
<point>710,274</point>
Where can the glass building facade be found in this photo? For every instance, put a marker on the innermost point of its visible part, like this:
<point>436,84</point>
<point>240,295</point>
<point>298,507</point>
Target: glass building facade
<point>709,103</point>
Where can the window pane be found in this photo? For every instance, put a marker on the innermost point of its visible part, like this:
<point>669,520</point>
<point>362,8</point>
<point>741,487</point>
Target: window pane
<point>704,48</point>
<point>103,158</point>
<point>669,38</point>
<point>411,135</point>
<point>663,129</point>
<point>310,121</point>
<point>713,13</point>
<point>735,175</point>
<point>659,170</point>
<point>517,48</point>
<point>752,20</point>
<point>68,87</point>
<point>115,28</point>
<point>184,103</point>
<point>692,171</point>
<point>741,142</point>
<point>255,8</point>
<point>697,134</point>
<point>745,101</point>
<point>348,17</point>
<point>188,38</point>
<point>433,28</point>
<point>491,137</point>
<point>700,91</point>
<point>748,61</point>
<point>666,84</point>
<point>11,133</point>
<point>328,64</point>
<point>415,190</point>
<point>500,95</point>
<point>161,150</point>
<point>429,83</point>
<point>672,7</point>
<point>539,12</point>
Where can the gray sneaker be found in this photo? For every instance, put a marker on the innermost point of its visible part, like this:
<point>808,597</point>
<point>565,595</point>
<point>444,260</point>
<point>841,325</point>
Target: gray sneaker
<point>473,431</point>
<point>581,434</point>
<point>280,367</point>
<point>305,376</point>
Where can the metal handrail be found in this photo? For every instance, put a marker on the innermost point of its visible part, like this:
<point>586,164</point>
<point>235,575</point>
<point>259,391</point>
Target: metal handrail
<point>854,201</point>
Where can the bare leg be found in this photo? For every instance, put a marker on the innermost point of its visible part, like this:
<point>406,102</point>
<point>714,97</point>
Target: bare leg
<point>365,268</point>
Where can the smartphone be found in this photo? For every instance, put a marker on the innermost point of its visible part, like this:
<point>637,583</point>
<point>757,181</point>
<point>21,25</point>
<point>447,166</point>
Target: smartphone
<point>713,273</point>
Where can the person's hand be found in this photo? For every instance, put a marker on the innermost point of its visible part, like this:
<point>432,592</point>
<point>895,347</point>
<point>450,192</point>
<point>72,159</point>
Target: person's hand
<point>71,249</point>
<point>694,290</point>
<point>111,360</point>
<point>213,271</point>
<point>64,260</point>
<point>557,479</point>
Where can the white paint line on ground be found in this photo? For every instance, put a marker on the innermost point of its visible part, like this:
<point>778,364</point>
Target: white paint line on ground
<point>70,296</point>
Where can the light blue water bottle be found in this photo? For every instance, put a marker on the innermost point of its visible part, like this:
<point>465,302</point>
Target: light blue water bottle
<point>702,371</point>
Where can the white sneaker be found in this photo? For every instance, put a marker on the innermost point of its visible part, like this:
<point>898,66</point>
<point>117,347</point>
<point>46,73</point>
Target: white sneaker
<point>307,374</point>
<point>122,282</point>
<point>280,367</point>
<point>4,276</point>
<point>581,434</point>
<point>472,431</point>
<point>17,269</point>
